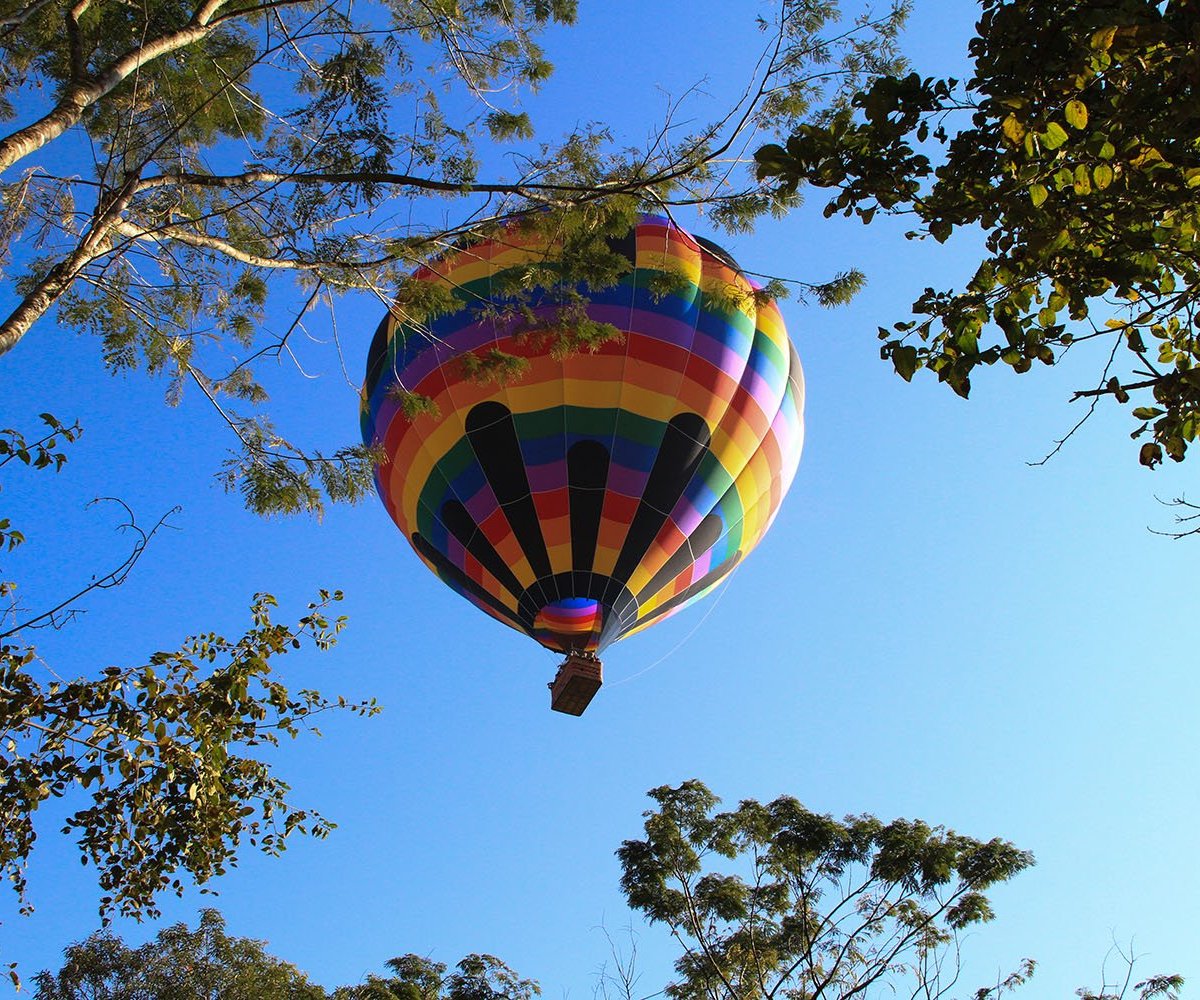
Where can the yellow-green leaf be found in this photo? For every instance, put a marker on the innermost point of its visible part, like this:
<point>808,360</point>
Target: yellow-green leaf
<point>1013,129</point>
<point>1083,180</point>
<point>1147,156</point>
<point>1102,40</point>
<point>1102,174</point>
<point>1077,114</point>
<point>1038,195</point>
<point>1054,136</point>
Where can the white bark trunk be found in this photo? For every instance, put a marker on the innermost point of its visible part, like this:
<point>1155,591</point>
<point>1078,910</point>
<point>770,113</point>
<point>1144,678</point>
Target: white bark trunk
<point>81,96</point>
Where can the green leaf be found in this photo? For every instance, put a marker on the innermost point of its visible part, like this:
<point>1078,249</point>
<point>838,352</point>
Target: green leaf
<point>1102,40</point>
<point>1054,136</point>
<point>1038,195</point>
<point>904,359</point>
<point>940,230</point>
<point>1013,129</point>
<point>1076,114</point>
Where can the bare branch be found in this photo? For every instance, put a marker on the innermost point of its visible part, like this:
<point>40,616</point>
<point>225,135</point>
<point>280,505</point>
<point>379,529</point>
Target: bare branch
<point>113,578</point>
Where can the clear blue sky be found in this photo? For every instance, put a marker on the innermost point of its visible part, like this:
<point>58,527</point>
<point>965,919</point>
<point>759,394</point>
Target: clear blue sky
<point>933,628</point>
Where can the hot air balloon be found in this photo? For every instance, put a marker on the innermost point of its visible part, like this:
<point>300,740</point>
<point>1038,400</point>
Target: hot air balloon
<point>595,494</point>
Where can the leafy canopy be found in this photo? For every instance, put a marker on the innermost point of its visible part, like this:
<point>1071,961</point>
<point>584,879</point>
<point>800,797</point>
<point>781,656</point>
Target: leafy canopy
<point>1075,147</point>
<point>413,977</point>
<point>775,900</point>
<point>765,900</point>
<point>179,964</point>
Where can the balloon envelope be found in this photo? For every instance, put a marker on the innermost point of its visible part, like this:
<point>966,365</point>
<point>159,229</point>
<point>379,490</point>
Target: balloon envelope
<point>599,493</point>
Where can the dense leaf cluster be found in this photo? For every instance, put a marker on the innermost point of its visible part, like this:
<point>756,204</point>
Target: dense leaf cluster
<point>227,141</point>
<point>775,900</point>
<point>179,964</point>
<point>1080,160</point>
<point>413,977</point>
<point>165,753</point>
<point>209,964</point>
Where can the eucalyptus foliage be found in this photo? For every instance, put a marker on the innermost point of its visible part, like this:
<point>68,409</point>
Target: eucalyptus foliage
<point>171,161</point>
<point>179,964</point>
<point>1074,146</point>
<point>414,977</point>
<point>207,963</point>
<point>766,900</point>
<point>773,900</point>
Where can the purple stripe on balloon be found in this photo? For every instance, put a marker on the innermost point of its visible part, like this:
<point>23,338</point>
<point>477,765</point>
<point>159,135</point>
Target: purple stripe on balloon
<point>466,338</point>
<point>719,354</point>
<point>616,313</point>
<point>761,391</point>
<point>550,476</point>
<point>667,329</point>
<point>686,517</point>
<point>482,504</point>
<point>627,482</point>
<point>455,552</point>
<point>556,612</point>
<point>389,409</point>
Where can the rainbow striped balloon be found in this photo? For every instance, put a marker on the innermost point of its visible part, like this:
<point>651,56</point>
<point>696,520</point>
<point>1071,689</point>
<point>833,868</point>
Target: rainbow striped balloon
<point>600,493</point>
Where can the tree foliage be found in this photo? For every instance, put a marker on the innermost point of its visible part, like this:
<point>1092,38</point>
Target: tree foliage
<point>413,977</point>
<point>765,900</point>
<point>209,964</point>
<point>179,964</point>
<point>174,160</point>
<point>167,756</point>
<point>1074,148</point>
<point>772,899</point>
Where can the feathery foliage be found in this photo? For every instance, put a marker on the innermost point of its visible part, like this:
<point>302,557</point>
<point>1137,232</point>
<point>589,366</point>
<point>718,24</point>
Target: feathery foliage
<point>186,179</point>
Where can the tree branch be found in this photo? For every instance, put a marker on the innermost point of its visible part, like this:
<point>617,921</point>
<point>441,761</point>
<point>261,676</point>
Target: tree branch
<point>173,233</point>
<point>78,98</point>
<point>113,578</point>
<point>521,188</point>
<point>58,279</point>
<point>11,23</point>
